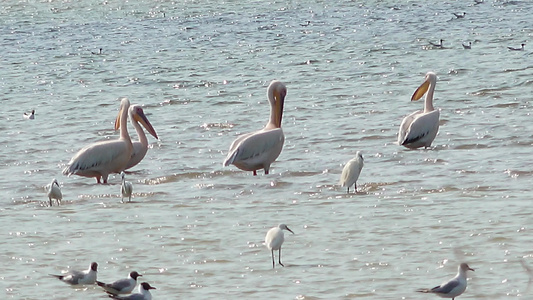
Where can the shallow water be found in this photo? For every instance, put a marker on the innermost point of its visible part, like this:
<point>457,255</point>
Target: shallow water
<point>201,68</point>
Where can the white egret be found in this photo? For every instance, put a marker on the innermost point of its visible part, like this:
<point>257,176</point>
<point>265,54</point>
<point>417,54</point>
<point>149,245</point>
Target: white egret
<point>54,192</point>
<point>274,239</point>
<point>126,188</point>
<point>351,171</point>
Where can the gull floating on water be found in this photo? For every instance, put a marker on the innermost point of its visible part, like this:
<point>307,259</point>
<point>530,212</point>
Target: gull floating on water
<point>469,46</point>
<point>97,53</point>
<point>100,159</point>
<point>517,49</point>
<point>274,239</point>
<point>121,286</point>
<point>439,45</point>
<point>80,277</point>
<point>454,287</point>
<point>257,150</point>
<point>140,148</point>
<point>127,187</point>
<point>459,16</point>
<point>351,171</point>
<point>144,293</point>
<point>54,192</point>
<point>420,128</point>
<point>29,116</point>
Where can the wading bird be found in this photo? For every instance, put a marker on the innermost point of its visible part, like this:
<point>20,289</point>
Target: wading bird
<point>126,189</point>
<point>274,239</point>
<point>54,192</point>
<point>452,288</point>
<point>351,171</point>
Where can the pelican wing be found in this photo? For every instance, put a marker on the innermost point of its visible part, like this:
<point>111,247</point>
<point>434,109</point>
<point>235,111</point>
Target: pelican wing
<point>418,127</point>
<point>96,156</point>
<point>256,148</point>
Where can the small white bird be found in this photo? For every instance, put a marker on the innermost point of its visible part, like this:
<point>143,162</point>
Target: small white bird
<point>351,172</point>
<point>469,46</point>
<point>439,45</point>
<point>121,286</point>
<point>127,187</point>
<point>80,277</point>
<point>29,116</point>
<point>274,239</point>
<point>454,287</point>
<point>54,192</point>
<point>144,293</point>
<point>517,49</point>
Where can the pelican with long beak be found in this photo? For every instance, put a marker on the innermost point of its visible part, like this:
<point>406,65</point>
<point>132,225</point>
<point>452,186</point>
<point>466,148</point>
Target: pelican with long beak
<point>420,128</point>
<point>257,150</point>
<point>103,158</point>
<point>141,147</point>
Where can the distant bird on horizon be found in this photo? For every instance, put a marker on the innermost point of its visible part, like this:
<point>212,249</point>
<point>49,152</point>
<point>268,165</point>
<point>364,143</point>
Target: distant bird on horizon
<point>274,239</point>
<point>127,187</point>
<point>452,288</point>
<point>478,2</point>
<point>351,172</point>
<point>517,49</point>
<point>29,116</point>
<point>439,45</point>
<point>80,277</point>
<point>469,46</point>
<point>459,15</point>
<point>54,192</point>
<point>98,53</point>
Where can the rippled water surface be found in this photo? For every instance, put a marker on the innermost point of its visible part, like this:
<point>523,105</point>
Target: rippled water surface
<point>201,68</point>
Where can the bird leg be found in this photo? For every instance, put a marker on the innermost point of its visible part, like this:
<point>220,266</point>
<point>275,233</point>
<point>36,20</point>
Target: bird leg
<point>255,173</point>
<point>279,257</point>
<point>50,201</point>
<point>273,263</point>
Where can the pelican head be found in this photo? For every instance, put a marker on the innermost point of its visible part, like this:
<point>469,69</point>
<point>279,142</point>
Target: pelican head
<point>276,93</point>
<point>431,79</point>
<point>137,114</point>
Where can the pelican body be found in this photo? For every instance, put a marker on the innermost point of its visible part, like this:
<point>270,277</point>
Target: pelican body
<point>126,189</point>
<point>274,239</point>
<point>257,150</point>
<point>54,192</point>
<point>103,158</point>
<point>420,128</point>
<point>80,277</point>
<point>351,171</point>
<point>452,288</point>
<point>141,147</point>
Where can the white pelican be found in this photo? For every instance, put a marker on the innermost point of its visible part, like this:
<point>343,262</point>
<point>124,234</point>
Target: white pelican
<point>103,158</point>
<point>351,171</point>
<point>274,239</point>
<point>144,293</point>
<point>517,49</point>
<point>80,277</point>
<point>454,287</point>
<point>420,128</point>
<point>29,116</point>
<point>141,147</point>
<point>469,46</point>
<point>121,286</point>
<point>256,150</point>
<point>54,192</point>
<point>127,187</point>
<point>439,45</point>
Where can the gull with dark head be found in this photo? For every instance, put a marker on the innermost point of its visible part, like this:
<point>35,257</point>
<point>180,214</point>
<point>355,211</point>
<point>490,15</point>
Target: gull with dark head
<point>29,116</point>
<point>452,288</point>
<point>144,293</point>
<point>121,286</point>
<point>80,277</point>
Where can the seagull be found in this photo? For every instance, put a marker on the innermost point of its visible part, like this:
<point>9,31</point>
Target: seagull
<point>469,46</point>
<point>459,16</point>
<point>29,116</point>
<point>351,171</point>
<point>80,277</point>
<point>274,239</point>
<point>439,45</point>
<point>121,286</point>
<point>478,2</point>
<point>517,49</point>
<point>54,192</point>
<point>453,288</point>
<point>144,293</point>
<point>127,187</point>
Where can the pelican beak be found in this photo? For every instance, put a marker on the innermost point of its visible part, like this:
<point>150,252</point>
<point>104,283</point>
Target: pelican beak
<point>117,120</point>
<point>420,91</point>
<point>279,95</point>
<point>141,118</point>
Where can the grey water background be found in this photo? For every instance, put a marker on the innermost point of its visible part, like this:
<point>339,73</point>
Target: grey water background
<point>201,68</point>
